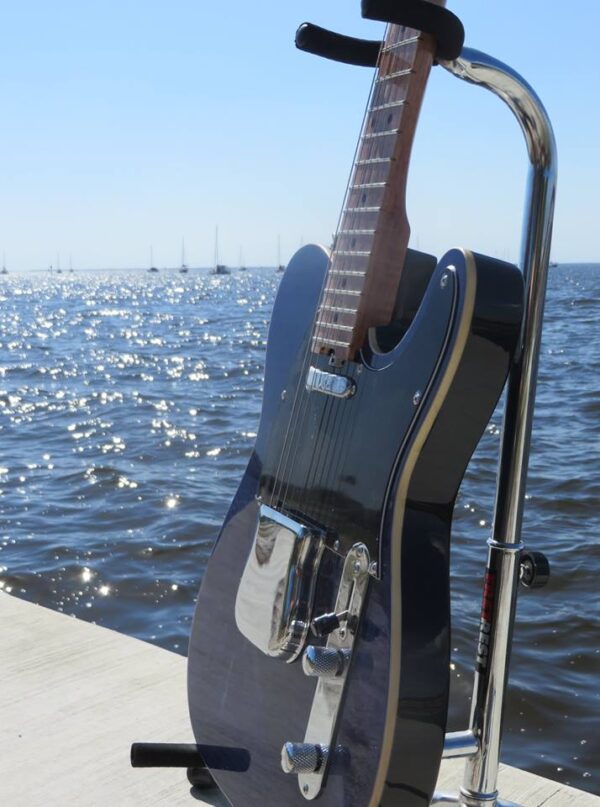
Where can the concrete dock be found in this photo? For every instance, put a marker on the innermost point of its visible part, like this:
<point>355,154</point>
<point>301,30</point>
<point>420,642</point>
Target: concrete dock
<point>74,696</point>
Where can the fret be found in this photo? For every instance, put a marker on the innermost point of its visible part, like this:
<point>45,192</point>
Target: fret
<point>361,223</point>
<point>400,64</point>
<point>375,172</point>
<point>347,272</point>
<point>397,74</point>
<point>348,292</point>
<point>339,309</point>
<point>340,284</point>
<point>348,262</point>
<point>371,135</point>
<point>374,161</point>
<point>389,92</point>
<point>335,326</point>
<point>326,317</point>
<point>368,168</point>
<point>357,238</point>
<point>329,341</point>
<point>390,48</point>
<point>369,185</point>
<point>353,252</point>
<point>391,105</point>
<point>373,197</point>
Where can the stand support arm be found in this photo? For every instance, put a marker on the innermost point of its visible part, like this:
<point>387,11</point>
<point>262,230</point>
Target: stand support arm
<point>491,676</point>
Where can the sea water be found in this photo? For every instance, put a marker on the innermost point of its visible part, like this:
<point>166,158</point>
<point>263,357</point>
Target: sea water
<point>129,404</point>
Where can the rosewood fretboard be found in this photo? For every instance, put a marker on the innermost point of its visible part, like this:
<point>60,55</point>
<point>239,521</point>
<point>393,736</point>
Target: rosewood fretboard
<point>371,242</point>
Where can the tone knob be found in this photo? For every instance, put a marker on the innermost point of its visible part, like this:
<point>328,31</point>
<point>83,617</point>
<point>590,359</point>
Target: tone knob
<point>325,662</point>
<point>302,758</point>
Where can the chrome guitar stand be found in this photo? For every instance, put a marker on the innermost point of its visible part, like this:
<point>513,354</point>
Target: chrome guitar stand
<point>480,744</point>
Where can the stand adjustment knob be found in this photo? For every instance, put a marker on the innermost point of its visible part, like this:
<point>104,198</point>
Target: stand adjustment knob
<point>325,662</point>
<point>535,570</point>
<point>302,758</point>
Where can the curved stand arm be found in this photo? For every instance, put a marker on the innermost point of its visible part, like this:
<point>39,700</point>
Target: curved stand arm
<point>481,773</point>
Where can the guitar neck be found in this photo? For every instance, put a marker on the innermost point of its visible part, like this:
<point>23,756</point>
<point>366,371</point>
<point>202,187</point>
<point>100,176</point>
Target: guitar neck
<point>371,242</point>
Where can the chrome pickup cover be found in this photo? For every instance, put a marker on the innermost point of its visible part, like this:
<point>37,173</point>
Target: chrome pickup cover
<point>339,386</point>
<point>274,602</point>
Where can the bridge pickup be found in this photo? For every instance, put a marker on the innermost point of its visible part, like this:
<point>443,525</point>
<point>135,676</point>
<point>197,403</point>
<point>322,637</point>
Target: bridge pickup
<point>339,386</point>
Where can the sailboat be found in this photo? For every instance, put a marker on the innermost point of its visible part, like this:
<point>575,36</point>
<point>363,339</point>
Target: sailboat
<point>280,266</point>
<point>71,270</point>
<point>184,267</point>
<point>152,266</point>
<point>4,270</point>
<point>243,268</point>
<point>219,268</point>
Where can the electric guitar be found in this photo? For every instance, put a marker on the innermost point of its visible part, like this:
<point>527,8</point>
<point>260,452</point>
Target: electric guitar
<point>320,649</point>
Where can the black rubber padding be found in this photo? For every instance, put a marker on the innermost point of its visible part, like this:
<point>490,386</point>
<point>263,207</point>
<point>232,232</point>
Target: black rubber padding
<point>166,755</point>
<point>201,778</point>
<point>361,52</point>
<point>442,24</point>
<point>187,755</point>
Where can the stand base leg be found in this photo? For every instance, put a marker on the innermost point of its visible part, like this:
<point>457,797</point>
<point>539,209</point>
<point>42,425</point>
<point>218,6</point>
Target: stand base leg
<point>470,801</point>
<point>201,778</point>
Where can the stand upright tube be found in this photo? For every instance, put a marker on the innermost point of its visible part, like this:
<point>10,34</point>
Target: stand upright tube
<point>499,600</point>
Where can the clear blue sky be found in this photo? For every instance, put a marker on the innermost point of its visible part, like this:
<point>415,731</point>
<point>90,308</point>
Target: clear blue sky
<point>126,124</point>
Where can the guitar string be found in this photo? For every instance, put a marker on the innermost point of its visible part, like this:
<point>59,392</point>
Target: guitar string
<point>345,426</point>
<point>342,417</point>
<point>298,406</point>
<point>299,395</point>
<point>332,412</point>
<point>284,466</point>
<point>339,415</point>
<point>289,442</point>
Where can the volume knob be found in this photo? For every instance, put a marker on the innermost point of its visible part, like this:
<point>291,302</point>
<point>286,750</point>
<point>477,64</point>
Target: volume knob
<point>302,758</point>
<point>325,662</point>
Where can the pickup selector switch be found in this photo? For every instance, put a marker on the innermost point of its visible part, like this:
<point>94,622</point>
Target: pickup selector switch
<point>302,758</point>
<point>326,624</point>
<point>325,662</point>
